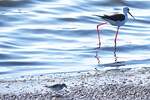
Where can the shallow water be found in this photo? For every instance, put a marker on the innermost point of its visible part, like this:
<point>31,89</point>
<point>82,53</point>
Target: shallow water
<point>47,36</point>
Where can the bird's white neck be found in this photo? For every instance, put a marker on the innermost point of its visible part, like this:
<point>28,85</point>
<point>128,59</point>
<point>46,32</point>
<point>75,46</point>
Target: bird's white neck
<point>126,15</point>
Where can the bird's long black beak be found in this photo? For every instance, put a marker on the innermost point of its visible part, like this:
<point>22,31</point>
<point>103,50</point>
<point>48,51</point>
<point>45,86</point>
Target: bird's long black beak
<point>131,15</point>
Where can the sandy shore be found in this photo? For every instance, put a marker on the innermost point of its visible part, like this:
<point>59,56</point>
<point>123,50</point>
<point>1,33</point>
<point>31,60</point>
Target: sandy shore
<point>115,84</point>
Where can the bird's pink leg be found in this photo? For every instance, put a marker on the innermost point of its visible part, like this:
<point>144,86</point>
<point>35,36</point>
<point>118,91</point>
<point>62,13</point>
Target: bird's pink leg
<point>116,36</point>
<point>98,34</point>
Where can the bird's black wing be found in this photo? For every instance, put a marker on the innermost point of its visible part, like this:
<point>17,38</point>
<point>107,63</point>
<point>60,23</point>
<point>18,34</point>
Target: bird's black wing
<point>116,17</point>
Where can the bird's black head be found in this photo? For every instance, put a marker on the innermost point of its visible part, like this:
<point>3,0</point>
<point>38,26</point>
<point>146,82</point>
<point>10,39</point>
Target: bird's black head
<point>64,85</point>
<point>126,9</point>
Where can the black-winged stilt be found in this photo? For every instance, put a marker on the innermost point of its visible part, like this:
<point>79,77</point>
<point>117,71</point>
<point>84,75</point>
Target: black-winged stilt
<point>115,20</point>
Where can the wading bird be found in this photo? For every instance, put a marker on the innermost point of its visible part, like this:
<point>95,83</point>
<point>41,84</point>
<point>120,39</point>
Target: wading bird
<point>115,20</point>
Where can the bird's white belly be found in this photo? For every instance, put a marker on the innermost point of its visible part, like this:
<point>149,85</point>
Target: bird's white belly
<point>117,23</point>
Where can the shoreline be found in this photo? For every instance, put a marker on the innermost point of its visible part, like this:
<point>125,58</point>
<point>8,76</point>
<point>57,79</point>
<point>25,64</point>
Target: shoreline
<point>114,84</point>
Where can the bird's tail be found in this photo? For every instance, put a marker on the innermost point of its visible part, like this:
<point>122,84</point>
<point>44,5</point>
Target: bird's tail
<point>47,86</point>
<point>98,16</point>
<point>103,17</point>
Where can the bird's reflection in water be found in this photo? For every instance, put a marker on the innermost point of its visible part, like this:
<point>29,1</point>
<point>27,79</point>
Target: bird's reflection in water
<point>116,62</point>
<point>97,57</point>
<point>115,56</point>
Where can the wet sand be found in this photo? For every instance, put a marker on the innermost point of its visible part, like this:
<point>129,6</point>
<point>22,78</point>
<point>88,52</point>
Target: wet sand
<point>115,84</point>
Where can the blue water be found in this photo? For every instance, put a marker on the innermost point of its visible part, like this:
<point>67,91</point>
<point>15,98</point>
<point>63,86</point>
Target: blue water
<point>48,36</point>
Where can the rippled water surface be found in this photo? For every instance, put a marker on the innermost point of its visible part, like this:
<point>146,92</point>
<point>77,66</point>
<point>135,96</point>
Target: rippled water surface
<point>48,36</point>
